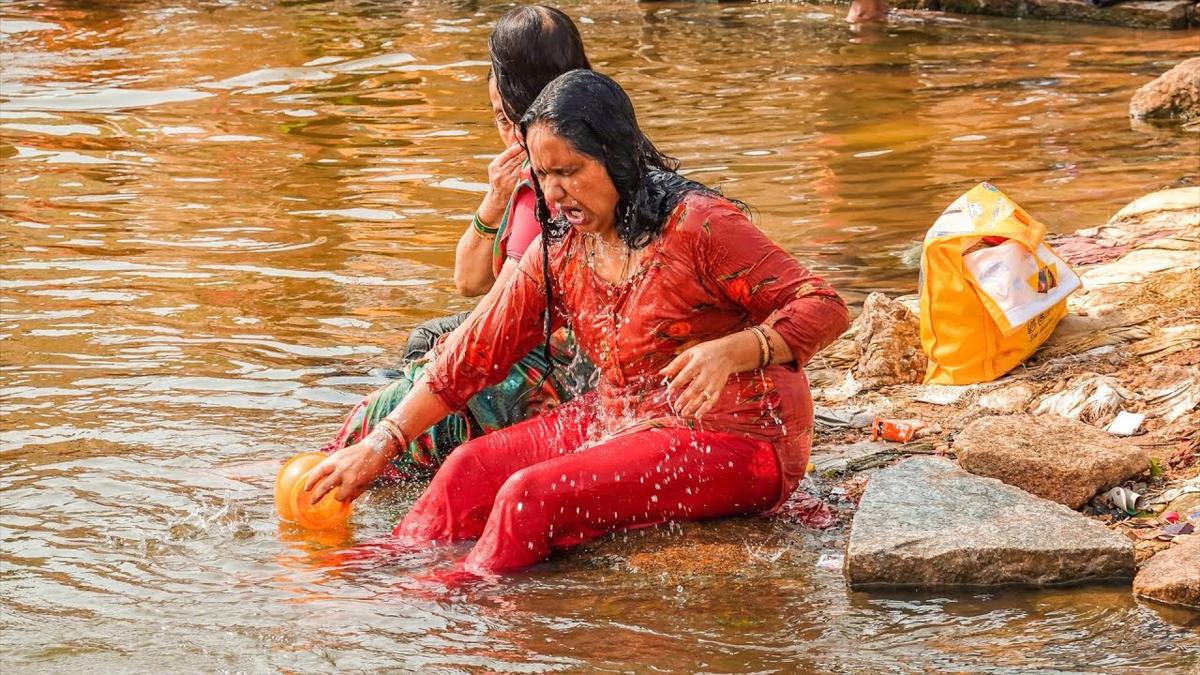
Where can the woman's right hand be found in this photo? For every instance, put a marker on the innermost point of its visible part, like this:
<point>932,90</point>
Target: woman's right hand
<point>503,174</point>
<point>350,470</point>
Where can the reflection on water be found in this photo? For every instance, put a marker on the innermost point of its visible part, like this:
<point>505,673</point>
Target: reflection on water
<point>216,217</point>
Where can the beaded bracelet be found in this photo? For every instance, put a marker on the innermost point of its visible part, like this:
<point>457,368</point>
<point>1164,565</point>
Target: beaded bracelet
<point>481,229</point>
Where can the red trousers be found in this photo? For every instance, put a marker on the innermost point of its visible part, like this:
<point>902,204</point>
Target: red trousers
<point>541,485</point>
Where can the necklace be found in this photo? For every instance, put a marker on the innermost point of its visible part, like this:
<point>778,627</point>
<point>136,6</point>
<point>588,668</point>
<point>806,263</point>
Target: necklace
<point>591,255</point>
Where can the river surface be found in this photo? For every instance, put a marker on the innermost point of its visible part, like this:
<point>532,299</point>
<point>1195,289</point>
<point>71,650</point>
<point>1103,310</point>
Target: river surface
<point>218,216</point>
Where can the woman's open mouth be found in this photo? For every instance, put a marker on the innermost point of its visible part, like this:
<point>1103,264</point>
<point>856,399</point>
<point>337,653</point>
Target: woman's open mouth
<point>574,215</point>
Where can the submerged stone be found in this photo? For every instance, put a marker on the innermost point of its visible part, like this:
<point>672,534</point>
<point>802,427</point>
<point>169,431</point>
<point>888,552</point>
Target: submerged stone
<point>927,523</point>
<point>1054,458</point>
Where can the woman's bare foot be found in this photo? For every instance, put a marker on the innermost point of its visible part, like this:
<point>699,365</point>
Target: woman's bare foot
<point>867,11</point>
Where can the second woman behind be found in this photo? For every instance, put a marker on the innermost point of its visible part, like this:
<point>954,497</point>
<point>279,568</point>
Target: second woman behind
<point>529,47</point>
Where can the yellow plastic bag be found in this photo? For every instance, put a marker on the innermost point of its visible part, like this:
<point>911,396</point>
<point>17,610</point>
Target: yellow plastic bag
<point>991,291</point>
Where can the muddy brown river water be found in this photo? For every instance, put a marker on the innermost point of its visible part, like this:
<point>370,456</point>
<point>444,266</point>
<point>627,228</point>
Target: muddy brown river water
<point>217,216</point>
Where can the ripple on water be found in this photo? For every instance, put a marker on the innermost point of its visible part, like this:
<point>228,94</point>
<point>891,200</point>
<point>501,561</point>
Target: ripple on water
<point>103,99</point>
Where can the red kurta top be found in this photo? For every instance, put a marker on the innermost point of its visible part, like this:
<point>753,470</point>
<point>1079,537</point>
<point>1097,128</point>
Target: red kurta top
<point>710,273</point>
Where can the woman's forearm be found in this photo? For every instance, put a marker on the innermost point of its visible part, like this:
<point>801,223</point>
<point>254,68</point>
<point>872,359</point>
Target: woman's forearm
<point>473,264</point>
<point>809,323</point>
<point>780,351</point>
<point>419,410</point>
<point>473,274</point>
<point>747,351</point>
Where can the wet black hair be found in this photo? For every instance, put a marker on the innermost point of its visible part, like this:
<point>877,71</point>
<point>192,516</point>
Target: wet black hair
<point>595,116</point>
<point>529,47</point>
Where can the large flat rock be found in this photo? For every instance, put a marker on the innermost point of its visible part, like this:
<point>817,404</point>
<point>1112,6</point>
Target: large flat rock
<point>1054,458</point>
<point>1172,576</point>
<point>927,523</point>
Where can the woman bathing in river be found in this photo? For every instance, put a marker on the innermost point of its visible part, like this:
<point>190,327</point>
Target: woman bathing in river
<point>699,326</point>
<point>529,47</point>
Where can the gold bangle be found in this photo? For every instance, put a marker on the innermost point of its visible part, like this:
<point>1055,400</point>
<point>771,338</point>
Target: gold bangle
<point>392,429</point>
<point>770,346</point>
<point>764,346</point>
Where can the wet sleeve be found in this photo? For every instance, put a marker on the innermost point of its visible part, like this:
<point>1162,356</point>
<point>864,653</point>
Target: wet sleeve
<point>774,289</point>
<point>499,332</point>
<point>524,227</point>
<point>423,337</point>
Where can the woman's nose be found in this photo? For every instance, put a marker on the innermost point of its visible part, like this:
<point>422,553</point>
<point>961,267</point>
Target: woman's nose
<point>552,188</point>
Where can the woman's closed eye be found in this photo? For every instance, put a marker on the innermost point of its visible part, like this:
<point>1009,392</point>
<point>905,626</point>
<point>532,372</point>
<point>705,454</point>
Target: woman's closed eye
<point>562,172</point>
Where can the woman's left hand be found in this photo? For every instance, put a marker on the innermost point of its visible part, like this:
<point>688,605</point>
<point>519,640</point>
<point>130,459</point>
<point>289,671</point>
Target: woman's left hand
<point>698,375</point>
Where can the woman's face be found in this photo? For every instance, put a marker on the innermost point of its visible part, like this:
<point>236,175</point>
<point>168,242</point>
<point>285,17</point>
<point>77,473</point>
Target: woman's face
<point>574,184</point>
<point>508,130</point>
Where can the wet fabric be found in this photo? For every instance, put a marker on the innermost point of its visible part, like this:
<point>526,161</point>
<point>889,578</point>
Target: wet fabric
<point>548,484</point>
<point>422,338</point>
<point>518,226</point>
<point>524,227</point>
<point>710,273</point>
<point>525,392</point>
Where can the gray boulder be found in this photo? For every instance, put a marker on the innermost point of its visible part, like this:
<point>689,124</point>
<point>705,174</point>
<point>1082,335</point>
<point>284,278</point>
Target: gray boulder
<point>927,523</point>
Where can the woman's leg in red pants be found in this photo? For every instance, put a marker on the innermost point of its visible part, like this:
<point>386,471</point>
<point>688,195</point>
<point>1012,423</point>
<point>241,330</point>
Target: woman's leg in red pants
<point>458,500</point>
<point>639,479</point>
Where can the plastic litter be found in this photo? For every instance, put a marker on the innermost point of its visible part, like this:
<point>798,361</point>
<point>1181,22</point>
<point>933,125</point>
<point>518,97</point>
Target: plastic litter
<point>902,431</point>
<point>941,394</point>
<point>831,561</point>
<point>1188,487</point>
<point>1175,530</point>
<point>808,511</point>
<point>1126,424</point>
<point>1087,399</point>
<point>1126,500</point>
<point>1179,395</point>
<point>830,418</point>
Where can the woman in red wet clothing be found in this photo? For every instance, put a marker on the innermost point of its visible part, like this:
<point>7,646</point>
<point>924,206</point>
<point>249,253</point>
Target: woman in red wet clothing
<point>698,324</point>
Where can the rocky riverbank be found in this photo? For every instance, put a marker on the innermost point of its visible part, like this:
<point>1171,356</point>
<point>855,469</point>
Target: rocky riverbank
<point>1040,461</point>
<point>1154,14</point>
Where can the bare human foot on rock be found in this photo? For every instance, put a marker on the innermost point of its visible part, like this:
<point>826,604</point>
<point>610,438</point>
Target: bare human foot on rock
<point>867,11</point>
